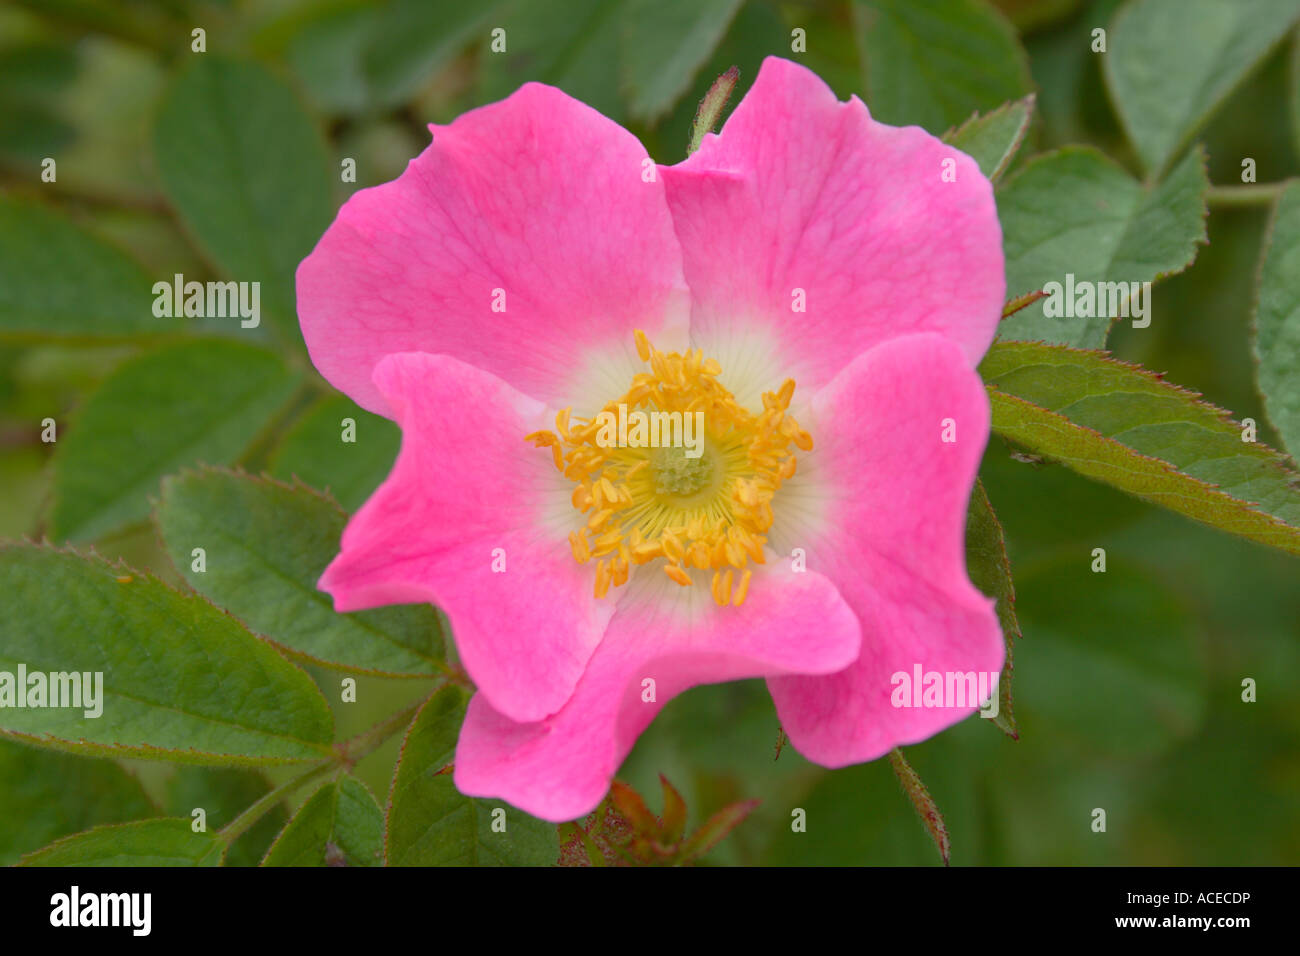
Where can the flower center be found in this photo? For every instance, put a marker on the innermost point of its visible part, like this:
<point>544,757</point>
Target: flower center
<point>677,474</point>
<point>676,471</point>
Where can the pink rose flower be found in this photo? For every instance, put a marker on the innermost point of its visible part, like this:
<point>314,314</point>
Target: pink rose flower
<point>533,268</point>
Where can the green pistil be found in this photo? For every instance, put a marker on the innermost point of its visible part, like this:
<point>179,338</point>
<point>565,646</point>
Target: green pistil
<point>675,474</point>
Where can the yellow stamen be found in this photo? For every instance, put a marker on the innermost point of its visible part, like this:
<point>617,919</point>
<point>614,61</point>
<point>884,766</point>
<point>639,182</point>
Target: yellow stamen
<point>743,590</point>
<point>710,512</point>
<point>675,572</point>
<point>582,498</point>
<point>581,553</point>
<point>722,586</point>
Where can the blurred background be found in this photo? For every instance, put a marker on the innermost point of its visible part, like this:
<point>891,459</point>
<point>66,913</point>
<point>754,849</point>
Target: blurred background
<point>1127,685</point>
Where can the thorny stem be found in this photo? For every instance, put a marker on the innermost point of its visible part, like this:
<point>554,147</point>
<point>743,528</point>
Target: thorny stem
<point>238,826</point>
<point>346,755</point>
<point>351,751</point>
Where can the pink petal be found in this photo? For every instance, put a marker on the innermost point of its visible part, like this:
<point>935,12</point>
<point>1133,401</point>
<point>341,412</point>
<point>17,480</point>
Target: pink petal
<point>800,191</point>
<point>537,195</point>
<point>892,540</point>
<point>561,767</point>
<point>465,484</point>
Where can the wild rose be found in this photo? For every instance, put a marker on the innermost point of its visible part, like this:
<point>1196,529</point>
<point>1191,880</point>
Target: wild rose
<point>819,285</point>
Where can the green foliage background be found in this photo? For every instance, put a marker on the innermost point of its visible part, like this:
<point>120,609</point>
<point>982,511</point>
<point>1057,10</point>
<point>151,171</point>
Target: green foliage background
<point>225,165</point>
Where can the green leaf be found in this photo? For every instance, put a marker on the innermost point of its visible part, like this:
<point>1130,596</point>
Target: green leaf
<point>414,39</point>
<point>158,412</point>
<point>1276,338</point>
<point>990,571</point>
<point>933,64</point>
<point>597,840</point>
<point>327,51</point>
<point>248,173</point>
<point>165,842</point>
<point>572,47</point>
<point>1075,212</point>
<point>339,825</point>
<point>181,681</point>
<point>631,806</point>
<point>1120,424</point>
<point>314,451</point>
<point>665,42</point>
<point>993,139</point>
<point>1171,63</point>
<point>48,795</point>
<point>431,824</point>
<point>353,58</point>
<point>714,830</point>
<point>674,819</point>
<point>223,794</point>
<point>58,281</point>
<point>923,803</point>
<point>266,545</point>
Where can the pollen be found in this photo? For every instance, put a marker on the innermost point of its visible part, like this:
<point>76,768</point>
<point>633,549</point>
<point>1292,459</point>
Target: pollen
<point>692,491</point>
